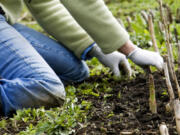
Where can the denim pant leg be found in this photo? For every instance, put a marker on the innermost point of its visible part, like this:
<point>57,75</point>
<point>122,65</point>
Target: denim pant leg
<point>66,65</point>
<point>28,81</point>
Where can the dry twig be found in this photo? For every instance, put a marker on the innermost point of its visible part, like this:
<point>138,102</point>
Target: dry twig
<point>173,102</point>
<point>177,115</point>
<point>168,83</point>
<point>167,35</point>
<point>178,45</point>
<point>145,16</point>
<point>151,29</point>
<point>129,24</point>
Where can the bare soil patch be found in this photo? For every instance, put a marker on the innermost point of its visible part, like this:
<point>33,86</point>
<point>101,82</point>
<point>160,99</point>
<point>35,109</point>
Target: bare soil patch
<point>128,108</point>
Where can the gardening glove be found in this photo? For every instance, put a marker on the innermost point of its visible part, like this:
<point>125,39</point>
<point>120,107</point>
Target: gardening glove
<point>145,58</point>
<point>115,61</point>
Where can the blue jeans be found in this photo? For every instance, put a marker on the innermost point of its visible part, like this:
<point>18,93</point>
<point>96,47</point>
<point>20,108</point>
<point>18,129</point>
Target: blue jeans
<point>33,68</point>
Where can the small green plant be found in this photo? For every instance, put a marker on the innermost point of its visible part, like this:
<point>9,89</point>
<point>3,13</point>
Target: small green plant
<point>3,124</point>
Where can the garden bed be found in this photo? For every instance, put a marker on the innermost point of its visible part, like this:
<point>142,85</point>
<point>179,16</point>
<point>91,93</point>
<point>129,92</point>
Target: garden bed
<point>127,108</point>
<point>124,108</point>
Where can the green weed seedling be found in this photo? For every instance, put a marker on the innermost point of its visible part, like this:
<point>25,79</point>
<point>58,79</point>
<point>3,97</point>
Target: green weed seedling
<point>3,124</point>
<point>54,121</point>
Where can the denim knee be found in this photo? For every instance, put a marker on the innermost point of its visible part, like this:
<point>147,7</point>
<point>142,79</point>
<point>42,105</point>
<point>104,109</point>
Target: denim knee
<point>78,74</point>
<point>53,92</point>
<point>55,88</point>
<point>84,72</point>
<point>29,92</point>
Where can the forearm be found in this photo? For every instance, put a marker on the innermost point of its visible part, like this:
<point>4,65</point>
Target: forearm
<point>99,23</point>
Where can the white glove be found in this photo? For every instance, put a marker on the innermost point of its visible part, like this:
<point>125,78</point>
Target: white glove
<point>115,61</point>
<point>146,58</point>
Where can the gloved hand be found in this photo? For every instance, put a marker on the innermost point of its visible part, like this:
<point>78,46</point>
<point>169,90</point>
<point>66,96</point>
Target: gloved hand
<point>115,61</point>
<point>146,58</point>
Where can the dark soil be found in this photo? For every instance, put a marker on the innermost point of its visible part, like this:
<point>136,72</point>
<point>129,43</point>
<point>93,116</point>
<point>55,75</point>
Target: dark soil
<point>129,112</point>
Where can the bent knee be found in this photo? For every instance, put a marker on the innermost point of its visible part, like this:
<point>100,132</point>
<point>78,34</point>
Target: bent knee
<point>78,74</point>
<point>54,90</point>
<point>45,92</point>
<point>29,92</point>
<point>82,73</point>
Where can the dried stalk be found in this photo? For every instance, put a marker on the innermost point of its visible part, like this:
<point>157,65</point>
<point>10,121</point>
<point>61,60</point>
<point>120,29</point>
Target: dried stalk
<point>151,29</point>
<point>173,75</point>
<point>169,17</point>
<point>177,84</point>
<point>178,57</point>
<point>175,103</point>
<point>161,27</point>
<point>163,129</point>
<point>177,115</point>
<point>168,83</point>
<point>129,24</point>
<point>152,15</point>
<point>170,59</point>
<point>145,16</point>
<point>167,59</point>
<point>178,45</point>
<point>169,47</point>
<point>152,99</point>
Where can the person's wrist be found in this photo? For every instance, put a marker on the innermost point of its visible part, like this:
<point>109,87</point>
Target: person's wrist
<point>127,48</point>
